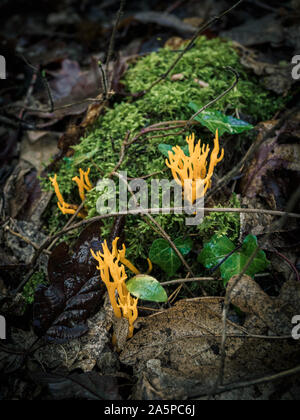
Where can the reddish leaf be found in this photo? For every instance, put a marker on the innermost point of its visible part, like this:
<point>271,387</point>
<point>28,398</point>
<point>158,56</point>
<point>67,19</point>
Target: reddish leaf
<point>75,291</point>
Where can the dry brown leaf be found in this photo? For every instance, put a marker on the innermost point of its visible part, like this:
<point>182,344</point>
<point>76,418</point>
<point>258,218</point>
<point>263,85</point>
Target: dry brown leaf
<point>174,43</point>
<point>249,297</point>
<point>176,354</point>
<point>267,29</point>
<point>270,157</point>
<point>81,353</point>
<point>166,20</point>
<point>195,21</point>
<point>40,151</point>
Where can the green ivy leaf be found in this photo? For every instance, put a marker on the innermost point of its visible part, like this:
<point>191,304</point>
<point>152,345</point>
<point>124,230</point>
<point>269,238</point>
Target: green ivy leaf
<point>165,257</point>
<point>217,249</point>
<point>214,120</point>
<point>166,148</point>
<point>146,287</point>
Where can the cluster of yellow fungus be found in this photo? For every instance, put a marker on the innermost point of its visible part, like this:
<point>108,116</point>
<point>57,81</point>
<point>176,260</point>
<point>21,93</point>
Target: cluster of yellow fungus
<point>83,184</point>
<point>194,168</point>
<point>112,272</point>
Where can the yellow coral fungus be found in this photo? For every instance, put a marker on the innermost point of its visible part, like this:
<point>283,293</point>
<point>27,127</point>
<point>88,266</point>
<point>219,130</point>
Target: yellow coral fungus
<point>113,274</point>
<point>126,262</point>
<point>83,184</point>
<point>191,171</point>
<point>150,266</point>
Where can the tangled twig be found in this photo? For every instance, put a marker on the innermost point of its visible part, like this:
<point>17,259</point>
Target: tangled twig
<point>191,44</point>
<point>219,381</point>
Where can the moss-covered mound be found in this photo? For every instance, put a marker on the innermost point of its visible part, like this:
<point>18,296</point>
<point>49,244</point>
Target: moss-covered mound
<point>169,100</point>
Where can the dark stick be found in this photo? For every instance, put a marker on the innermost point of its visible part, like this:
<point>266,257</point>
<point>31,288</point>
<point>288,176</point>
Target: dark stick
<point>191,44</point>
<point>251,151</point>
<point>113,38</point>
<point>239,385</point>
<point>219,381</point>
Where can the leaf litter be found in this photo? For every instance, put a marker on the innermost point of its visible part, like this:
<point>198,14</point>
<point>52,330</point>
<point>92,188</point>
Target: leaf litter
<point>175,353</point>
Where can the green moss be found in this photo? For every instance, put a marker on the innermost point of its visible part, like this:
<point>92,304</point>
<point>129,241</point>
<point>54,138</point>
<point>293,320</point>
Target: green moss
<point>100,148</point>
<point>29,289</point>
<point>206,62</point>
<point>223,224</point>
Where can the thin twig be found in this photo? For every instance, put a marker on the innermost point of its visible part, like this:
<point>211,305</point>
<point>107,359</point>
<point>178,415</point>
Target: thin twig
<point>162,232</point>
<point>69,223</point>
<point>219,381</point>
<point>145,211</point>
<point>18,124</point>
<point>237,77</point>
<point>112,40</point>
<point>141,211</point>
<point>104,79</point>
<point>190,279</point>
<point>213,269</point>
<point>174,125</point>
<point>174,295</point>
<point>191,44</point>
<point>264,6</point>
<point>150,175</point>
<point>251,152</point>
<point>23,238</point>
<point>48,90</point>
<point>122,154</point>
<point>246,384</point>
<point>289,263</point>
<point>58,108</point>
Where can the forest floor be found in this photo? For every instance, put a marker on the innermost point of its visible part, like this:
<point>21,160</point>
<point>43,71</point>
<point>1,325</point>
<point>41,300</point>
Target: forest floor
<point>97,92</point>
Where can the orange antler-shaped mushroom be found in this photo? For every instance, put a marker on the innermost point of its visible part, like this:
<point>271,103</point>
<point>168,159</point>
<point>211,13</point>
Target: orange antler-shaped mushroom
<point>191,171</point>
<point>83,184</point>
<point>113,275</point>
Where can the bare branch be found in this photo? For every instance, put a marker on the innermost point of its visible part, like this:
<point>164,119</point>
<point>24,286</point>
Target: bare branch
<point>191,44</point>
<point>229,291</point>
<point>245,384</point>
<point>112,40</point>
<point>252,150</point>
<point>237,77</point>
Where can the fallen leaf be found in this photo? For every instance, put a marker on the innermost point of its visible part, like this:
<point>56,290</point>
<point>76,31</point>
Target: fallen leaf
<point>166,20</point>
<point>81,386</point>
<point>267,29</point>
<point>174,43</point>
<point>62,309</point>
<point>39,152</point>
<point>176,353</point>
<point>22,250</point>
<point>194,21</point>
<point>15,190</point>
<point>275,77</point>
<point>270,157</point>
<point>83,352</point>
